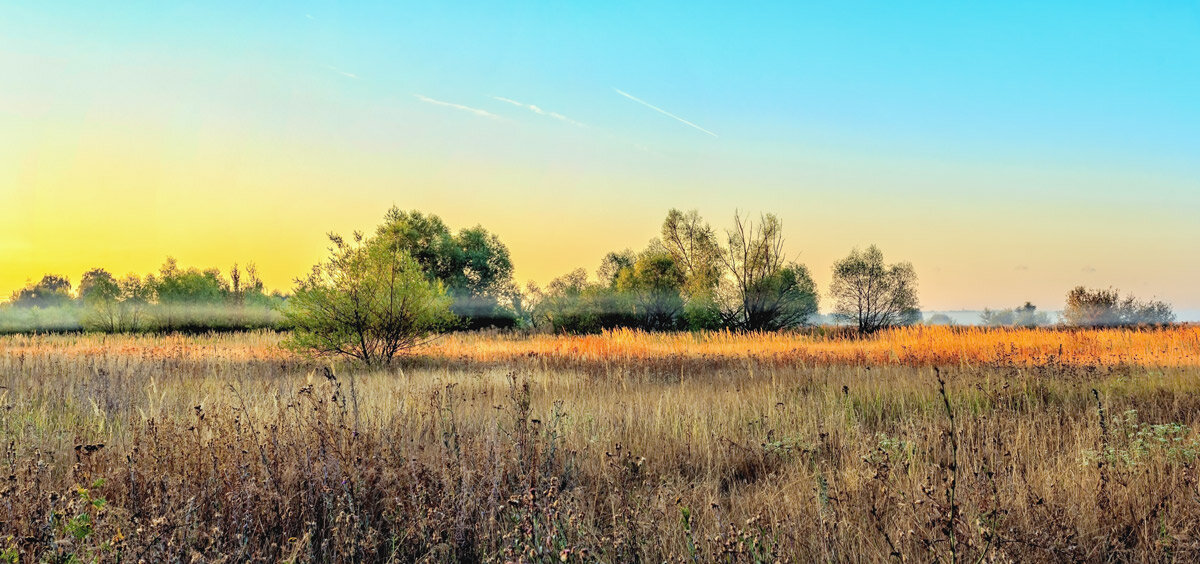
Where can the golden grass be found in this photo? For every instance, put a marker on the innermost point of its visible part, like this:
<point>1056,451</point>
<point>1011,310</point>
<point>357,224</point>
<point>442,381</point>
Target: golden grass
<point>915,346</point>
<point>1177,346</point>
<point>736,448</point>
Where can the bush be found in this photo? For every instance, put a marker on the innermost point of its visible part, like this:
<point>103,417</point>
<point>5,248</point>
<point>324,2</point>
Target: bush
<point>1106,308</point>
<point>369,301</point>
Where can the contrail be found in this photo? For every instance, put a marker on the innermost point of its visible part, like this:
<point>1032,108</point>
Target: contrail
<point>476,111</point>
<point>662,111</point>
<point>342,72</point>
<point>538,110</point>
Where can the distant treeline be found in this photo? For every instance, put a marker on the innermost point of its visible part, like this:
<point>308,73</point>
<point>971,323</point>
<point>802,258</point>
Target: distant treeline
<point>690,277</point>
<point>173,299</point>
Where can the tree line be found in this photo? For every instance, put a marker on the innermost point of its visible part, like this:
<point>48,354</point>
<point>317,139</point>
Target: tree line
<point>172,299</point>
<point>693,278</point>
<point>376,295</point>
<point>414,276</point>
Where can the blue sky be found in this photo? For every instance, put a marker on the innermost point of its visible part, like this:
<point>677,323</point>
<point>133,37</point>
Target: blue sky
<point>1009,151</point>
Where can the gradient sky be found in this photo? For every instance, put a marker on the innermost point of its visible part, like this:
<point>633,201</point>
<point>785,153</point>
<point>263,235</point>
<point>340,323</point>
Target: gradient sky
<point>1009,151</point>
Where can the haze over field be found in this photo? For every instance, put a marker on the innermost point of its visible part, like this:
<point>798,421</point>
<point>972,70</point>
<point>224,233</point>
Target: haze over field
<point>1009,154</point>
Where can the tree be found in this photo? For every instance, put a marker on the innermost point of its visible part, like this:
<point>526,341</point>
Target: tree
<point>768,291</point>
<point>613,264</point>
<point>192,286</point>
<point>113,305</point>
<point>370,301</point>
<point>873,295</point>
<point>654,284</point>
<point>96,280</point>
<point>1024,316</point>
<point>100,294</point>
<point>187,299</point>
<point>940,319</point>
<point>568,304</point>
<point>51,291</point>
<point>692,243</point>
<point>474,265</point>
<point>1106,308</point>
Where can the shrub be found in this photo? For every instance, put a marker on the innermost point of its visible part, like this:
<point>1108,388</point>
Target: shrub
<point>369,301</point>
<point>1106,308</point>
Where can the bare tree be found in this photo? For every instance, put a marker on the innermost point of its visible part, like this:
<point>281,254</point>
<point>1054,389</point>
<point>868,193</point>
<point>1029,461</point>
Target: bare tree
<point>874,295</point>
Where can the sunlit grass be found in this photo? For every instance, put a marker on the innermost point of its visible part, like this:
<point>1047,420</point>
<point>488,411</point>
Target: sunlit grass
<point>1177,346</point>
<point>542,448</point>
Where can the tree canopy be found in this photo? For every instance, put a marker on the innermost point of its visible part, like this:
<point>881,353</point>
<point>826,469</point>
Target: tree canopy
<point>873,295</point>
<point>370,300</point>
<point>473,264</point>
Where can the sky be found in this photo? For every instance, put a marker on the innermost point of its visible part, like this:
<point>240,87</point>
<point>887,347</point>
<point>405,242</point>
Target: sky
<point>1009,151</point>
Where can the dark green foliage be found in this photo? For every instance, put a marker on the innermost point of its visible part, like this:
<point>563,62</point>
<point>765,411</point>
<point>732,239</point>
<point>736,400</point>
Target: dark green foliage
<point>473,265</point>
<point>655,285</point>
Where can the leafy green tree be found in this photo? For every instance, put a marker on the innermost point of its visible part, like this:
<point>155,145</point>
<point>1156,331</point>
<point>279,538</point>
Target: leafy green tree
<point>100,294</point>
<point>51,291</point>
<point>613,264</point>
<point>97,280</point>
<point>654,283</point>
<point>189,286</point>
<point>370,301</point>
<point>873,295</point>
<point>187,299</point>
<point>693,244</point>
<point>474,265</point>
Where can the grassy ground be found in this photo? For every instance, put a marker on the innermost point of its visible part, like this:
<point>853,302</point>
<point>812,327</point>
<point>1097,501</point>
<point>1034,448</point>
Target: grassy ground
<point>1040,446</point>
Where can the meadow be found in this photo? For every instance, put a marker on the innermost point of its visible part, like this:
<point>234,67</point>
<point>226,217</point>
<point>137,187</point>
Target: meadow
<point>912,445</point>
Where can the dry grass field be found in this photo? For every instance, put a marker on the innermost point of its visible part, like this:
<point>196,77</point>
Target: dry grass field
<point>1040,446</point>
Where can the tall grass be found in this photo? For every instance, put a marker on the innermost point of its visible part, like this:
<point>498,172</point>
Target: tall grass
<point>539,449</point>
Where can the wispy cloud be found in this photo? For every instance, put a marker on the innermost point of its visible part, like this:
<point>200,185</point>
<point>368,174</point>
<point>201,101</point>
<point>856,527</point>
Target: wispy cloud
<point>342,72</point>
<point>539,111</point>
<point>310,16</point>
<point>476,111</point>
<point>662,111</point>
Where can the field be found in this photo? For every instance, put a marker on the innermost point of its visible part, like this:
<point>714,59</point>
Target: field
<point>923,444</point>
